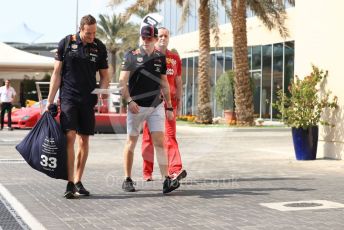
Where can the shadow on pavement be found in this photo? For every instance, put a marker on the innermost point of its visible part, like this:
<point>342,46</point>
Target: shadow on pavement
<point>234,179</point>
<point>210,188</point>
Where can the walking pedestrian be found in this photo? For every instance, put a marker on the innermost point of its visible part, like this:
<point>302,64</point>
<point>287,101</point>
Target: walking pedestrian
<point>7,95</point>
<point>173,72</point>
<point>143,77</point>
<point>77,60</point>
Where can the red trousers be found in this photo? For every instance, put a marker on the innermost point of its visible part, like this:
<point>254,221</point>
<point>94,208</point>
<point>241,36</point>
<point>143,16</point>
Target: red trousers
<point>171,146</point>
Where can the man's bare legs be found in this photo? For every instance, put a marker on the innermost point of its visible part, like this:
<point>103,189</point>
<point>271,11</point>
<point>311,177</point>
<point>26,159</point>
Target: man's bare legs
<point>161,155</point>
<point>129,155</point>
<point>70,135</point>
<point>74,180</point>
<point>128,184</point>
<point>158,141</point>
<point>83,146</point>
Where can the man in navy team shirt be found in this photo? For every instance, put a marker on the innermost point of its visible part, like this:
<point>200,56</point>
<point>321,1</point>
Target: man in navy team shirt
<point>77,60</point>
<point>143,77</point>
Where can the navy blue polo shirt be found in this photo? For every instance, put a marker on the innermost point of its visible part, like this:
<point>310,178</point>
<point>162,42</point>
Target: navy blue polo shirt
<point>81,63</point>
<point>145,76</point>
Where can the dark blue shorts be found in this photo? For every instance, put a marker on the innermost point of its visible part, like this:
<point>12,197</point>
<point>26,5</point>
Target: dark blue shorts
<point>78,117</point>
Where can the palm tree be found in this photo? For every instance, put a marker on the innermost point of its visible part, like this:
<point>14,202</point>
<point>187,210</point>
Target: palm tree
<point>272,13</point>
<point>118,35</point>
<point>204,114</point>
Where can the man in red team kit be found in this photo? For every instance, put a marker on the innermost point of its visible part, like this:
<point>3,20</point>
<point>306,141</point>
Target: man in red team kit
<point>173,73</point>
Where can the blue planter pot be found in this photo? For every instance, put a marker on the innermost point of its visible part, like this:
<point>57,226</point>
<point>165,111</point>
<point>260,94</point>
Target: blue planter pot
<point>305,142</point>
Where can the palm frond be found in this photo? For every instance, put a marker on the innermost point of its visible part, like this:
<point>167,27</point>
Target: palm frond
<point>213,22</point>
<point>227,8</point>
<point>272,13</point>
<point>118,35</point>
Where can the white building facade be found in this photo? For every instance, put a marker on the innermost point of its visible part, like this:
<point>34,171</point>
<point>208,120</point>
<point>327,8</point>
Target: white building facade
<point>315,38</point>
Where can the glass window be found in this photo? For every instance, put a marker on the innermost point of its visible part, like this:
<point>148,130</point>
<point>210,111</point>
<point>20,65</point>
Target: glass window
<point>166,6</point>
<point>177,21</point>
<point>256,85</point>
<point>196,14</point>
<point>185,84</point>
<point>288,64</point>
<point>195,85</point>
<point>184,70</point>
<point>221,13</point>
<point>277,73</point>
<point>266,82</point>
<point>256,57</point>
<point>228,58</point>
<point>216,71</point>
<point>173,18</point>
<point>188,88</point>
<point>249,57</point>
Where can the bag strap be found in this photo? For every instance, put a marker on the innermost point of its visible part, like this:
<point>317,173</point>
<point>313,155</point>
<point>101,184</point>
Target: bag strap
<point>67,41</point>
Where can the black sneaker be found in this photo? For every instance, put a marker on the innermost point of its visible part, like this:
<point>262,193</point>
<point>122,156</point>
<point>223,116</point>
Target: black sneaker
<point>80,189</point>
<point>179,175</point>
<point>170,185</point>
<point>128,185</point>
<point>70,191</point>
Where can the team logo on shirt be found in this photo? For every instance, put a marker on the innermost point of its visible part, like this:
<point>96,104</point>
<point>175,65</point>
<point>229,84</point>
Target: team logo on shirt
<point>139,59</point>
<point>171,61</point>
<point>74,46</point>
<point>169,71</point>
<point>93,57</point>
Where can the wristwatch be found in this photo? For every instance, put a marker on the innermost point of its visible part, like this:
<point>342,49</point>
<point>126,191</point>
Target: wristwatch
<point>169,109</point>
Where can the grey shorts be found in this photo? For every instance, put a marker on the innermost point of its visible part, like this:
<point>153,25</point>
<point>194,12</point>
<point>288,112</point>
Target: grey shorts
<point>154,116</point>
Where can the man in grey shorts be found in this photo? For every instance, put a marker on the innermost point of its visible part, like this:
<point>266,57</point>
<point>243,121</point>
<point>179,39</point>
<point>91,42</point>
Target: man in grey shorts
<point>143,77</point>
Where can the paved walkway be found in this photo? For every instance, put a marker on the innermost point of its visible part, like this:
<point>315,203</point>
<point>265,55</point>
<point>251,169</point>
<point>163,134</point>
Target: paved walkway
<point>231,172</point>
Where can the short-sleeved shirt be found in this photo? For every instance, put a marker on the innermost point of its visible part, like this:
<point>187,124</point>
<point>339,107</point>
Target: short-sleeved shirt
<point>6,94</point>
<point>145,76</point>
<point>81,62</point>
<point>174,70</point>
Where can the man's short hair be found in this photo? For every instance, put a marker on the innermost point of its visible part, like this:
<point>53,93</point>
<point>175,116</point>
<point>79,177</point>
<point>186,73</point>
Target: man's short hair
<point>87,20</point>
<point>164,28</point>
<point>149,31</point>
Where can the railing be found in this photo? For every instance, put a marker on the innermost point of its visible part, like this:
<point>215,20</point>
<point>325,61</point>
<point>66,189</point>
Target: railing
<point>112,104</point>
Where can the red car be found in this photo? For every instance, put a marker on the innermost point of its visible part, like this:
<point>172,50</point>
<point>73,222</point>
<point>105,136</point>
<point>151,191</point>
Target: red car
<point>109,122</point>
<point>106,122</point>
<point>26,117</point>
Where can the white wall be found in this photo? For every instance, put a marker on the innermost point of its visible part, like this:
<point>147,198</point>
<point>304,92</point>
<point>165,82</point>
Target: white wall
<point>319,37</point>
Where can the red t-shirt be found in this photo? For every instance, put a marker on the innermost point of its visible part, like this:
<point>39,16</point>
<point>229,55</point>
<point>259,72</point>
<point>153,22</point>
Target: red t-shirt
<point>173,70</point>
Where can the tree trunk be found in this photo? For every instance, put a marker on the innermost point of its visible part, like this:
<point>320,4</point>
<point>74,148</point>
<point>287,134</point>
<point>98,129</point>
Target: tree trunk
<point>204,107</point>
<point>113,64</point>
<point>243,93</point>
